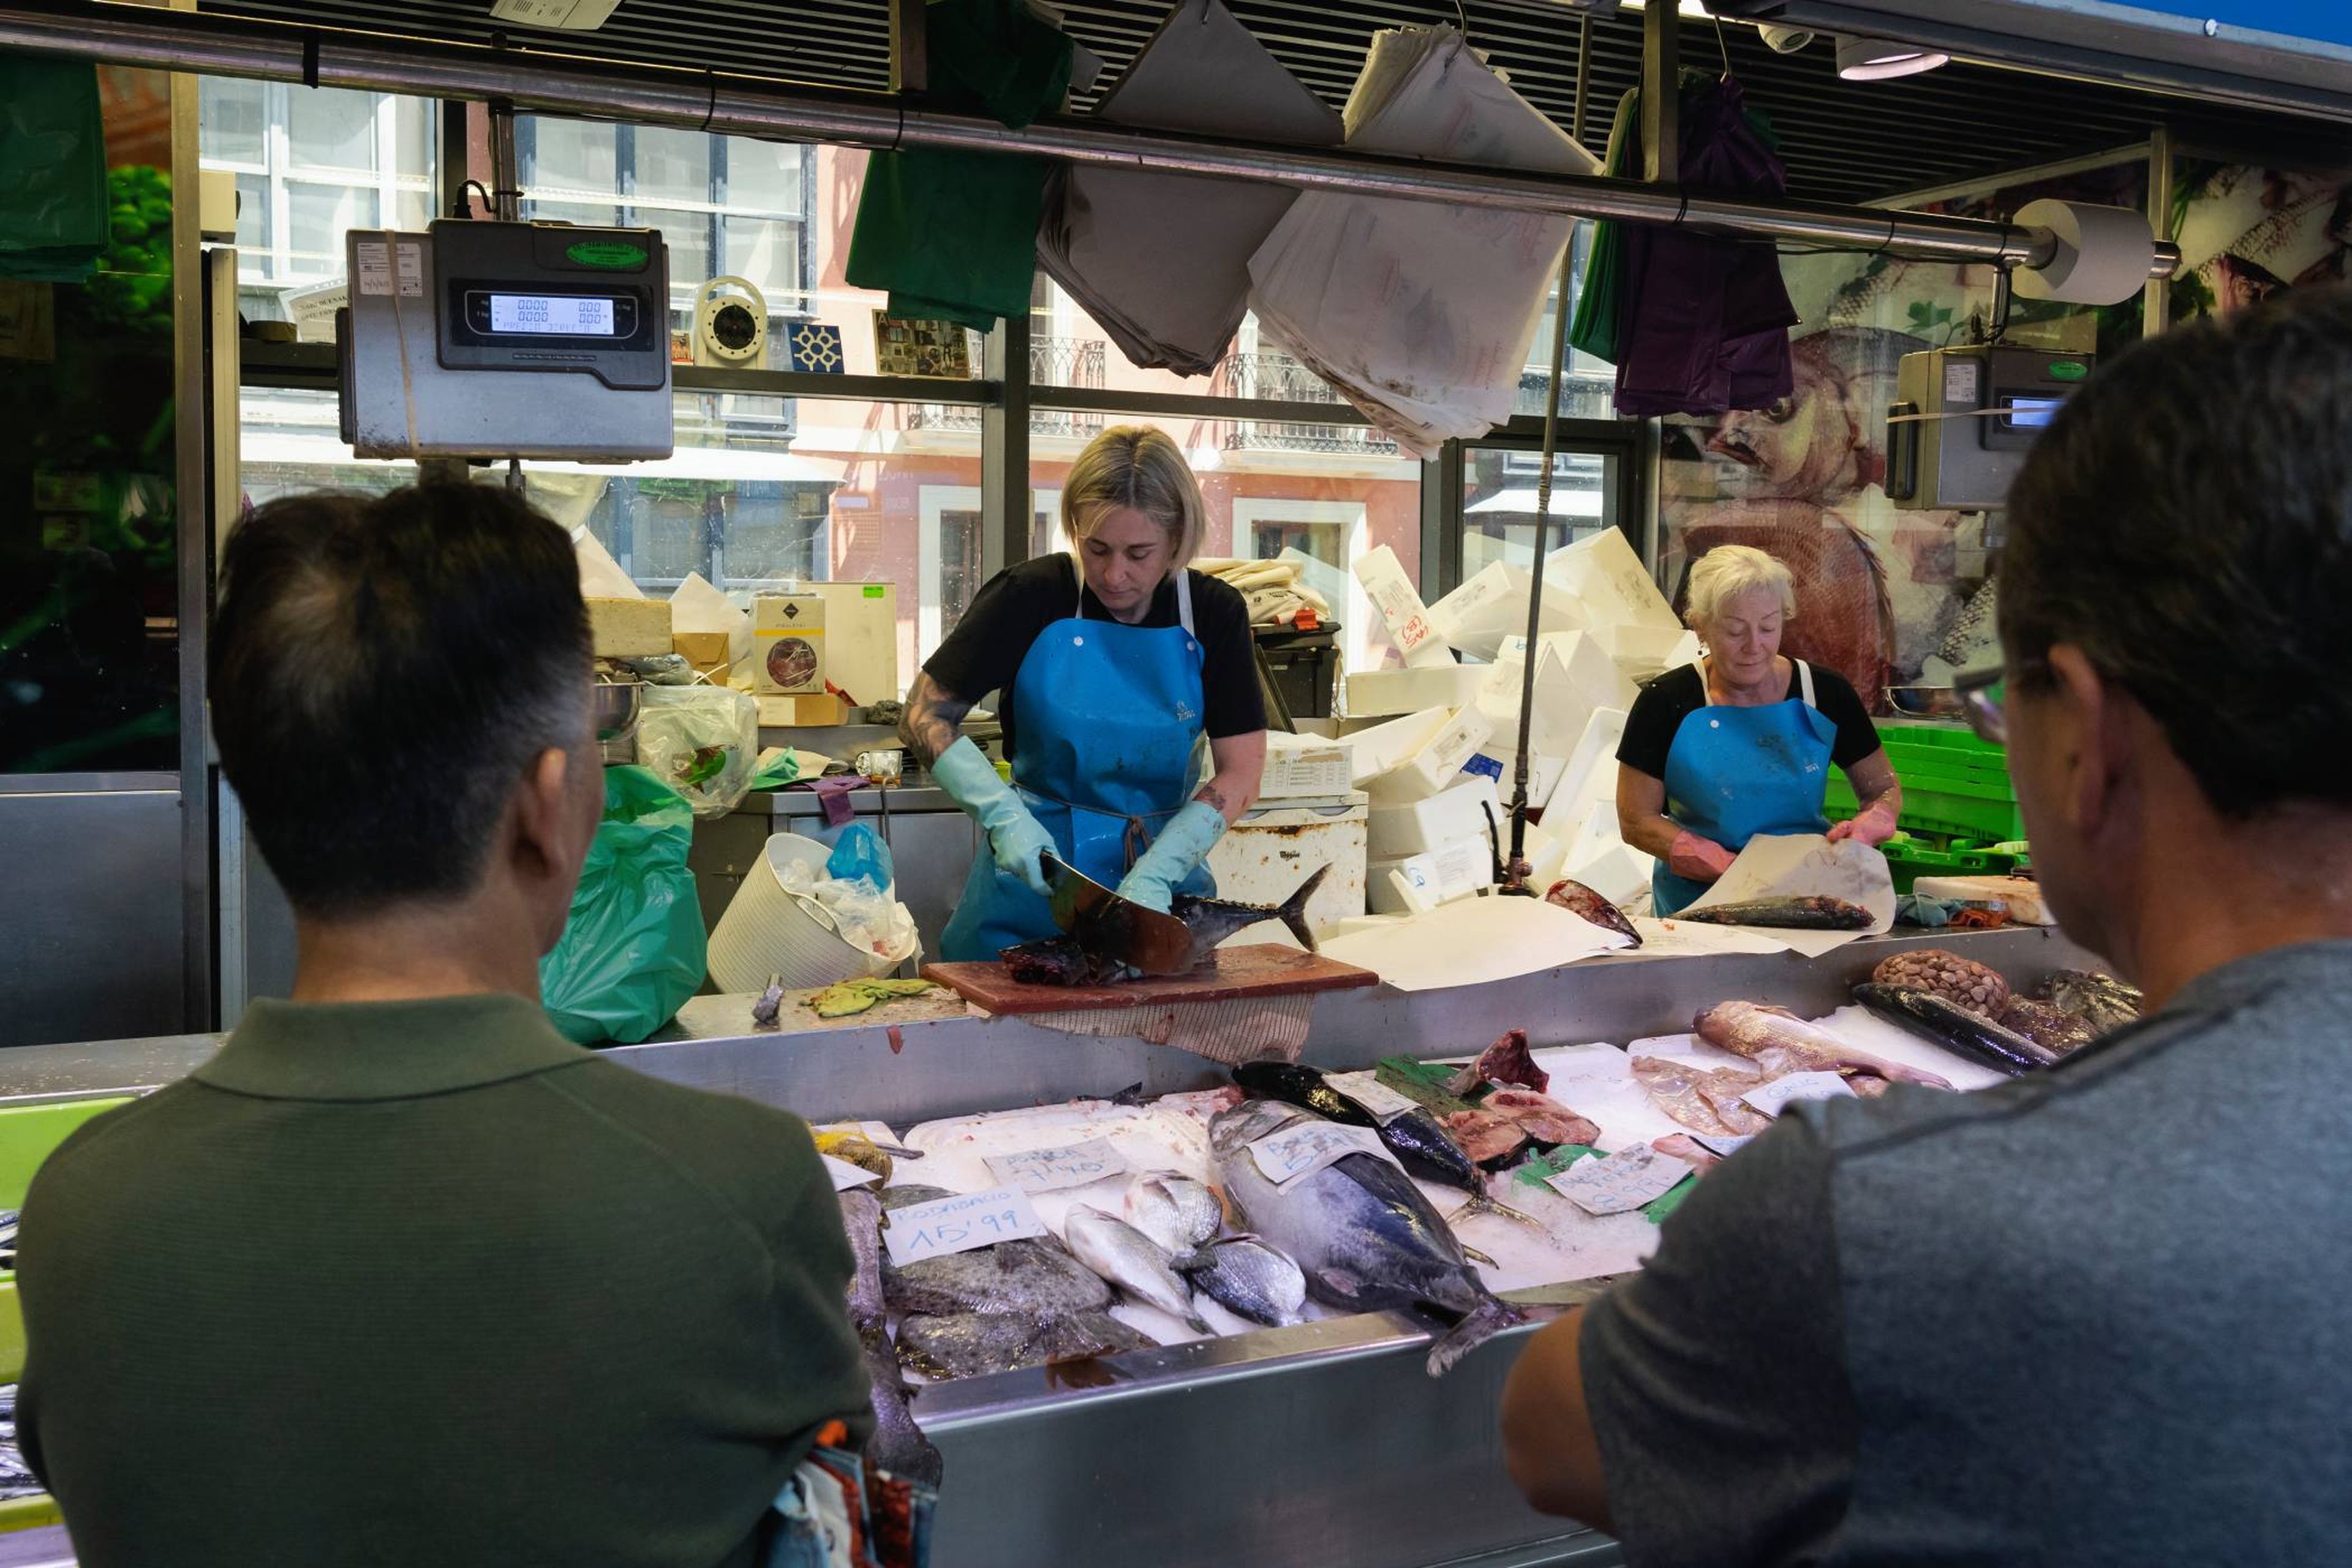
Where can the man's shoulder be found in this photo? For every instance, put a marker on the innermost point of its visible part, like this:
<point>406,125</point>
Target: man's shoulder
<point>723,1140</point>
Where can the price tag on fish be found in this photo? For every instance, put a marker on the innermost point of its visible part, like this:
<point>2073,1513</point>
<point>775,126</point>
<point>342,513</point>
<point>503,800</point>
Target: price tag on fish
<point>846,1176</point>
<point>1049,1169</point>
<point>1377,1097</point>
<point>1613,1184</point>
<point>1774,1096</point>
<point>1724,1143</point>
<point>955,1224</point>
<point>1304,1148</point>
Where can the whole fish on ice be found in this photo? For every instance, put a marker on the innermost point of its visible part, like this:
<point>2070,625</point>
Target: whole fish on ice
<point>897,1445</point>
<point>973,1344</point>
<point>1359,1231</point>
<point>1416,1137</point>
<point>1131,1260</point>
<point>1173,1210</point>
<point>1244,1275</point>
<point>1034,1277</point>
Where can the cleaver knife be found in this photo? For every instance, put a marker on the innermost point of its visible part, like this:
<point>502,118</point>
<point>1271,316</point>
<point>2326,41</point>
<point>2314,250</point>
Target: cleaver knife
<point>1116,928</point>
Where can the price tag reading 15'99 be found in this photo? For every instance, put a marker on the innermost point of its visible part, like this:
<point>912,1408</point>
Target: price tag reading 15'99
<point>949,1225</point>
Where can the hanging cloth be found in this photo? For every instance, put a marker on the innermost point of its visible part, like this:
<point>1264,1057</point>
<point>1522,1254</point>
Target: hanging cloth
<point>54,209</point>
<point>952,235</point>
<point>1701,320</point>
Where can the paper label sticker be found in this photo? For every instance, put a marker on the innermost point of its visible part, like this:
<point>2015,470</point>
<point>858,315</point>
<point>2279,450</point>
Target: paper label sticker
<point>1367,1090</point>
<point>1774,1096</point>
<point>410,258</point>
<point>1960,383</point>
<point>1723,1142</point>
<point>1048,1170</point>
<point>955,1224</point>
<point>1306,1147</point>
<point>1618,1182</point>
<point>846,1176</point>
<point>375,257</point>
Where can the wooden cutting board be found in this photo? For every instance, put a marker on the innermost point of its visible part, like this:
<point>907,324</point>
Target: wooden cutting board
<point>1262,970</point>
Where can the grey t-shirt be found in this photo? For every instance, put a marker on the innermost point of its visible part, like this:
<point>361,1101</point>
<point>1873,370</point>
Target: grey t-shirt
<point>2101,1315</point>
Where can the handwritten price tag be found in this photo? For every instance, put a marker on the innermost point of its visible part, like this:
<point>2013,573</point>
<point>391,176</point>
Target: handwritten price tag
<point>1723,1142</point>
<point>1367,1090</point>
<point>1614,1183</point>
<point>844,1175</point>
<point>1048,1170</point>
<point>950,1225</point>
<point>1774,1096</point>
<point>1306,1147</point>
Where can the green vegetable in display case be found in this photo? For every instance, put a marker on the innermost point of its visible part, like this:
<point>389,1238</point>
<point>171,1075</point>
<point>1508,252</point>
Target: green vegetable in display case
<point>132,286</point>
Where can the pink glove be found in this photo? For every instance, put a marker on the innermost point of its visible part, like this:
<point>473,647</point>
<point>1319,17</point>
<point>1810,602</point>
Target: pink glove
<point>1874,824</point>
<point>1697,859</point>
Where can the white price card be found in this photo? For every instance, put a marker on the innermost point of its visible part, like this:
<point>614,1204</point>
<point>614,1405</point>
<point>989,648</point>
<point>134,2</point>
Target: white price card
<point>375,266</point>
<point>1723,1142</point>
<point>948,1226</point>
<point>1367,1090</point>
<point>1067,1166</point>
<point>1613,1184</point>
<point>1304,1148</point>
<point>1774,1096</point>
<point>844,1175</point>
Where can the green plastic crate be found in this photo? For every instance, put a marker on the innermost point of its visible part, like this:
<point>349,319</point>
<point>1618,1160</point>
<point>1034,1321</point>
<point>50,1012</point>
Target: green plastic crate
<point>1909,859</point>
<point>28,1135</point>
<point>1954,784</point>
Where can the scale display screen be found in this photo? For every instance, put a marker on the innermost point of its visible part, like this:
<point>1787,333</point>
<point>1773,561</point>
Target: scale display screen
<point>2029,413</point>
<point>557,315</point>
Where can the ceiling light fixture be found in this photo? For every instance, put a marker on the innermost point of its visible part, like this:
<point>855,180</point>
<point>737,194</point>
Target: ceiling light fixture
<point>1882,59</point>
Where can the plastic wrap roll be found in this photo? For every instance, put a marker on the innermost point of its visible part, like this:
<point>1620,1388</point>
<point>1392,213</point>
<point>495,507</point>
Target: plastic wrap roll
<point>2102,253</point>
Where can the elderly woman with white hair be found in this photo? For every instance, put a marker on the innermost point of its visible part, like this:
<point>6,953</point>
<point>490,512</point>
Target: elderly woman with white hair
<point>1740,741</point>
<point>1112,662</point>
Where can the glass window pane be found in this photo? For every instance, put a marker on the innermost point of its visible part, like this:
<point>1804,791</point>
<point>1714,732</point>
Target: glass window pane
<point>412,120</point>
<point>253,258</point>
<point>763,176</point>
<point>768,253</point>
<point>673,166</point>
<point>689,234</point>
<point>584,213</point>
<point>411,209</point>
<point>571,156</point>
<point>317,217</point>
<point>1499,502</point>
<point>233,120</point>
<point>328,128</point>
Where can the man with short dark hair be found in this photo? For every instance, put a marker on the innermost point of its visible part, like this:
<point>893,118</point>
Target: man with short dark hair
<point>401,1275</point>
<point>2093,1315</point>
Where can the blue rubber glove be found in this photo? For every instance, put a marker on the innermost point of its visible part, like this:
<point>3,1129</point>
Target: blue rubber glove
<point>1181,846</point>
<point>1015,837</point>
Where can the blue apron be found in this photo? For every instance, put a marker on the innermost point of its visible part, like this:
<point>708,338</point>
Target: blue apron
<point>1733,773</point>
<point>1110,717</point>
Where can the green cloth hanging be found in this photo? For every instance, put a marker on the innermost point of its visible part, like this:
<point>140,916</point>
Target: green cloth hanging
<point>1593,328</point>
<point>53,212</point>
<point>952,235</point>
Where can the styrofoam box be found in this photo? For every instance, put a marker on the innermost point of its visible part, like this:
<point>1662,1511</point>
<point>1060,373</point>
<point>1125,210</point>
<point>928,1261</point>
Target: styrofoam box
<point>1432,765</point>
<point>1640,652</point>
<point>1610,582</point>
<point>1377,749</point>
<point>1493,605</point>
<point>1618,873</point>
<point>1262,857</point>
<point>1392,593</point>
<point>1415,827</point>
<point>1304,766</point>
<point>1453,872</point>
<point>1373,692</point>
<point>1591,771</point>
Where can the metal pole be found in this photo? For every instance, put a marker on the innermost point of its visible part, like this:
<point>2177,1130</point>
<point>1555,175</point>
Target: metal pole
<point>1662,92</point>
<point>506,169</point>
<point>210,45</point>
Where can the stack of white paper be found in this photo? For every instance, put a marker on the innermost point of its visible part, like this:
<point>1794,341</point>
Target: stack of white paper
<point>1421,313</point>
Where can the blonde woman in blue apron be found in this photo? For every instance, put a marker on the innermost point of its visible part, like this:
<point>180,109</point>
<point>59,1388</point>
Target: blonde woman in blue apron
<point>1741,742</point>
<point>1111,664</point>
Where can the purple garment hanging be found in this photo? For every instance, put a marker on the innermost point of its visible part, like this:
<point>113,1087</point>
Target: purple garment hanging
<point>1702,321</point>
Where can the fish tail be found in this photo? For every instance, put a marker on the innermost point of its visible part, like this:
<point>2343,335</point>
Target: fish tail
<point>1293,912</point>
<point>1484,1205</point>
<point>1487,1318</point>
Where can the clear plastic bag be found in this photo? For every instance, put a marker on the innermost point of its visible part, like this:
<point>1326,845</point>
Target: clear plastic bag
<point>701,740</point>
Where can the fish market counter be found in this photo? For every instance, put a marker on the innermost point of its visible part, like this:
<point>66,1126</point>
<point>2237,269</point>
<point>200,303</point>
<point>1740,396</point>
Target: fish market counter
<point>1326,1441</point>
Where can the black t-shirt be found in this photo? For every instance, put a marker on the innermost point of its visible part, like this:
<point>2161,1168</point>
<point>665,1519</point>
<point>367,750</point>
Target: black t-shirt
<point>985,650</point>
<point>1663,705</point>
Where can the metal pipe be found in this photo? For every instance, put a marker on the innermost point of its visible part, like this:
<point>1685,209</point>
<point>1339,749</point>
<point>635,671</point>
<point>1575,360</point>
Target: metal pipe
<point>506,168</point>
<point>212,45</point>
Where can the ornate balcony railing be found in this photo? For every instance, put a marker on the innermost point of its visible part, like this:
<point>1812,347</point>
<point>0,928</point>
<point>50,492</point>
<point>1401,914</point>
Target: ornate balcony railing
<point>1278,378</point>
<point>1052,362</point>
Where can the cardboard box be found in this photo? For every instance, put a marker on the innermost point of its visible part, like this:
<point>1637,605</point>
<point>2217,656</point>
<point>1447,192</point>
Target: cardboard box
<point>788,644</point>
<point>821,711</point>
<point>709,652</point>
<point>628,628</point>
<point>861,640</point>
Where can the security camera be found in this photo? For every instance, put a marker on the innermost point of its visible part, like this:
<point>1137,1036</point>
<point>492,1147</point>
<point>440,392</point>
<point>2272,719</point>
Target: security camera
<point>1785,40</point>
<point>730,329</point>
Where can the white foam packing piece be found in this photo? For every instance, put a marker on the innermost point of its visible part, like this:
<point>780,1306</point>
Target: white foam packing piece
<point>1382,747</point>
<point>1431,765</point>
<point>1455,813</point>
<point>1608,579</point>
<point>1390,587</point>
<point>1493,605</point>
<point>1373,692</point>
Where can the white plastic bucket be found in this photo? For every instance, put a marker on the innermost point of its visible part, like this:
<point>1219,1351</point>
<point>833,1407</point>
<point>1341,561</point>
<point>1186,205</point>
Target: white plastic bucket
<point>769,930</point>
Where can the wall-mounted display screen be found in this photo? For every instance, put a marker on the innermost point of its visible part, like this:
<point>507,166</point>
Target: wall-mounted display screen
<point>559,315</point>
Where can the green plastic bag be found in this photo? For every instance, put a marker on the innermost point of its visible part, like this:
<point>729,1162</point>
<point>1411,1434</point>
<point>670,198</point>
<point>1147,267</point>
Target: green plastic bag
<point>634,949</point>
<point>55,209</point>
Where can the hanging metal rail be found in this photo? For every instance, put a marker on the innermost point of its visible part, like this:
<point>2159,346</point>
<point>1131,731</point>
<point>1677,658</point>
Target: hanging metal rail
<point>742,106</point>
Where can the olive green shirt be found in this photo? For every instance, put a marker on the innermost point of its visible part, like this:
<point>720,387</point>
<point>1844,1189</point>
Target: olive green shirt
<point>423,1282</point>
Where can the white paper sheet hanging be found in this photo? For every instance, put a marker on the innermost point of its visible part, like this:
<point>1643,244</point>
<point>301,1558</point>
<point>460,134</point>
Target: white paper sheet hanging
<point>1472,942</point>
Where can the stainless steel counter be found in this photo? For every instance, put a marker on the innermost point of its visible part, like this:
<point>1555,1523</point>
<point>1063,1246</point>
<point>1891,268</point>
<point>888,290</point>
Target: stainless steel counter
<point>1323,1443</point>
